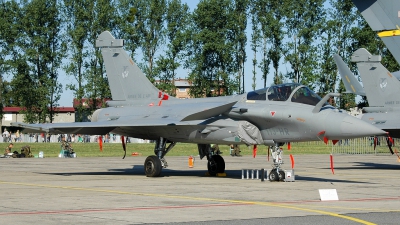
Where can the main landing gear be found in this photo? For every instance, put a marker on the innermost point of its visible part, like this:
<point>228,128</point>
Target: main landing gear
<point>153,164</point>
<point>216,164</point>
<point>277,174</point>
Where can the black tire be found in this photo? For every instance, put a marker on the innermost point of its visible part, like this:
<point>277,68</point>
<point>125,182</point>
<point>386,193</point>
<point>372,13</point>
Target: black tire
<point>273,175</point>
<point>216,165</point>
<point>281,175</point>
<point>152,166</point>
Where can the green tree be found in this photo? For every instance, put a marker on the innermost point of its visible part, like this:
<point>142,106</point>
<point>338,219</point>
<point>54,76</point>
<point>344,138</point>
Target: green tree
<point>336,38</point>
<point>211,54</point>
<point>255,43</point>
<point>270,17</point>
<point>238,25</point>
<point>36,59</point>
<point>127,25</point>
<point>150,27</point>
<point>77,16</point>
<point>177,19</point>
<point>263,18</point>
<point>303,23</point>
<point>276,36</point>
<point>10,52</point>
<point>104,17</point>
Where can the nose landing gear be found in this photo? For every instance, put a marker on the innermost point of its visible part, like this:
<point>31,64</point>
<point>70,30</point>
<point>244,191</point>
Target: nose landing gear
<point>277,174</point>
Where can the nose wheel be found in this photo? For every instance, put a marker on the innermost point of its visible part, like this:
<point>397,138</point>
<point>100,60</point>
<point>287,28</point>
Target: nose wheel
<point>276,175</point>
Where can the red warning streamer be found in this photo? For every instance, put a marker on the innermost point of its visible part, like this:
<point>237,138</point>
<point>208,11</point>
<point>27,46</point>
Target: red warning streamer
<point>333,171</point>
<point>326,140</point>
<point>123,145</point>
<point>254,151</point>
<point>390,143</point>
<point>292,160</point>
<point>101,143</point>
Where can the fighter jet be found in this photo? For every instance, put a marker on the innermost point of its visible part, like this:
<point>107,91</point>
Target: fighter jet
<point>383,16</point>
<point>381,87</point>
<point>271,116</point>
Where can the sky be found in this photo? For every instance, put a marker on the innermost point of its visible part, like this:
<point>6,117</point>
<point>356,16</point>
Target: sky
<point>67,95</point>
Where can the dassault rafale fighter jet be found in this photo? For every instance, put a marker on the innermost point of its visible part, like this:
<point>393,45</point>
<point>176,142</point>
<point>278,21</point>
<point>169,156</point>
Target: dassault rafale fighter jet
<point>271,116</point>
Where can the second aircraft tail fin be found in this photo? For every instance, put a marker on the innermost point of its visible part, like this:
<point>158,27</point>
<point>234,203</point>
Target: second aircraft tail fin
<point>381,87</point>
<point>349,80</point>
<point>383,16</point>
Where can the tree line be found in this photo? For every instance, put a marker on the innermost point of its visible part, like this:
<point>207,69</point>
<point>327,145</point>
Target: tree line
<point>41,39</point>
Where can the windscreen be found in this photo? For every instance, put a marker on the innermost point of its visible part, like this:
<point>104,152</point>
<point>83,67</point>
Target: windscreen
<point>305,96</point>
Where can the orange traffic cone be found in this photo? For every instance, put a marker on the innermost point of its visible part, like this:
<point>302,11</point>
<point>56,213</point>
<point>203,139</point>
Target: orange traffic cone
<point>191,161</point>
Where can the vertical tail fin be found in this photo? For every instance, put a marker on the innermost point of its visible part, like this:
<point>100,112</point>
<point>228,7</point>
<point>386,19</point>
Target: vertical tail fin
<point>349,80</point>
<point>383,16</point>
<point>127,82</point>
<point>381,87</point>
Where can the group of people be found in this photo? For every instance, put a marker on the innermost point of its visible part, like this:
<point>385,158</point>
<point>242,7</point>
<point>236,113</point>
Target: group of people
<point>233,149</point>
<point>7,137</point>
<point>25,152</point>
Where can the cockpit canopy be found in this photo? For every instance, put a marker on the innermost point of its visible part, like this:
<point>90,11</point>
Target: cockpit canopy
<point>284,92</point>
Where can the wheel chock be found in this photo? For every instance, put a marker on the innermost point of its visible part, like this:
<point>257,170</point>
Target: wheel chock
<point>207,174</point>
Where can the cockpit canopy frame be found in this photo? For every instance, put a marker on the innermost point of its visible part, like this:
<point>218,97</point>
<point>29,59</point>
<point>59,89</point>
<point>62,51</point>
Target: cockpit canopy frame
<point>292,92</point>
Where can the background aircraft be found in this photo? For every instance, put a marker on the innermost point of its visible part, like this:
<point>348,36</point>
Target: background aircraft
<point>270,116</point>
<point>381,87</point>
<point>383,16</point>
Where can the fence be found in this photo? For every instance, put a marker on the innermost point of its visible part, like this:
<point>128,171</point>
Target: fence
<point>85,138</point>
<point>347,146</point>
<point>364,146</point>
<point>359,146</point>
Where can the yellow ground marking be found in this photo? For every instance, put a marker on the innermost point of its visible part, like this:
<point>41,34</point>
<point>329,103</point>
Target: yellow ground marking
<point>351,208</point>
<point>270,204</point>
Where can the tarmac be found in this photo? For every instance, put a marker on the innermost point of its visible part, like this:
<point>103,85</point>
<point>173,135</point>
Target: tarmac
<point>116,191</point>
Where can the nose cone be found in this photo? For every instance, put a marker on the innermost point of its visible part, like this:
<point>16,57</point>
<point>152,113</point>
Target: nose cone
<point>354,126</point>
<point>350,127</point>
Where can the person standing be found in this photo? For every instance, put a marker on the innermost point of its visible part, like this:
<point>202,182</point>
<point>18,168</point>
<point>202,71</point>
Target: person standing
<point>17,136</point>
<point>5,135</point>
<point>236,150</point>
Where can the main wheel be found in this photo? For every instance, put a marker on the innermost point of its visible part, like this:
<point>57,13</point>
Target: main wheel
<point>216,165</point>
<point>152,166</point>
<point>273,175</point>
<point>281,175</point>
